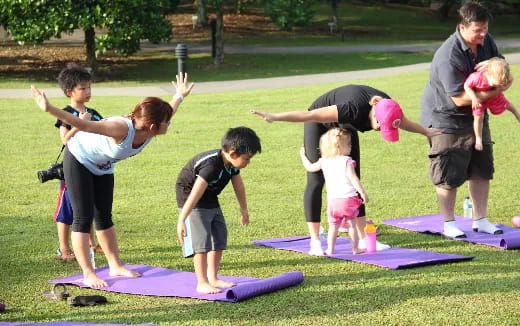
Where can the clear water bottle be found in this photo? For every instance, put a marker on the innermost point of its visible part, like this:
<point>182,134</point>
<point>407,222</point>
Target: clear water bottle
<point>468,207</point>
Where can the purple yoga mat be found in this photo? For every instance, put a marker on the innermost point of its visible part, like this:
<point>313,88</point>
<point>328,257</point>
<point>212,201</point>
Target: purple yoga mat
<point>64,323</point>
<point>434,224</point>
<point>394,258</point>
<point>158,281</point>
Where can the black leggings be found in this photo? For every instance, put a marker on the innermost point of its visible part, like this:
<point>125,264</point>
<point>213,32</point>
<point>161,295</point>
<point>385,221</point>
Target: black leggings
<point>91,195</point>
<point>312,132</point>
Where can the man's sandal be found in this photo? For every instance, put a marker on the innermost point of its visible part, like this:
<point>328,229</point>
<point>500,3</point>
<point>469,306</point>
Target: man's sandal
<point>65,255</point>
<point>55,294</point>
<point>86,300</point>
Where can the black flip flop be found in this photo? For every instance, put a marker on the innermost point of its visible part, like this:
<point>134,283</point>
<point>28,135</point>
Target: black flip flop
<point>86,300</point>
<point>55,294</point>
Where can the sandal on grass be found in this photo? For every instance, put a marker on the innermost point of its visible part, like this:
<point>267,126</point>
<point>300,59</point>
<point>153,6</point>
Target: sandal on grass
<point>98,249</point>
<point>55,293</point>
<point>65,255</point>
<point>86,300</point>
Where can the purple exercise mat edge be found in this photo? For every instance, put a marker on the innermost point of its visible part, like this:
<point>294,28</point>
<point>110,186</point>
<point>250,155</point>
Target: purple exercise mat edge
<point>433,224</point>
<point>158,281</point>
<point>393,258</point>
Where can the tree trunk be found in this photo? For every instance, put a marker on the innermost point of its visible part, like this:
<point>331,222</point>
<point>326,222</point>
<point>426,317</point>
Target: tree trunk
<point>90,48</point>
<point>444,10</point>
<point>334,6</point>
<point>202,12</point>
<point>238,7</point>
<point>219,56</point>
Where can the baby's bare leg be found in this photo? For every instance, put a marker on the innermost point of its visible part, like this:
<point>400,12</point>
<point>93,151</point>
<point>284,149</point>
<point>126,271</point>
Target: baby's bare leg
<point>515,112</point>
<point>331,238</point>
<point>354,225</point>
<point>478,123</point>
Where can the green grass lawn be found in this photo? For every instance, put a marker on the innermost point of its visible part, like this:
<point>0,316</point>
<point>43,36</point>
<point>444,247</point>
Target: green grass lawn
<point>150,68</point>
<point>483,291</point>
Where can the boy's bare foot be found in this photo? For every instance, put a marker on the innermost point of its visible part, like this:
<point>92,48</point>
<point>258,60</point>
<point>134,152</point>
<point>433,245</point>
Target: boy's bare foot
<point>328,252</point>
<point>207,288</point>
<point>94,281</point>
<point>222,284</point>
<point>356,251</point>
<point>123,271</point>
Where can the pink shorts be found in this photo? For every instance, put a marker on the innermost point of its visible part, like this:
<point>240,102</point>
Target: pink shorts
<point>340,208</point>
<point>496,104</point>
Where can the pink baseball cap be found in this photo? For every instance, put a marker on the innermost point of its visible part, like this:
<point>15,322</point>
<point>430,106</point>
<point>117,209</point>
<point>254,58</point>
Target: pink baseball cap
<point>389,114</point>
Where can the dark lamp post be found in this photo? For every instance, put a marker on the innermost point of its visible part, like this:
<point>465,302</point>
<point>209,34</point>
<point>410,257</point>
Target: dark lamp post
<point>181,53</point>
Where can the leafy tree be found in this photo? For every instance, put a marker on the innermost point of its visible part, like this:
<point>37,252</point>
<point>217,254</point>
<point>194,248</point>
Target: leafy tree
<point>289,13</point>
<point>126,22</point>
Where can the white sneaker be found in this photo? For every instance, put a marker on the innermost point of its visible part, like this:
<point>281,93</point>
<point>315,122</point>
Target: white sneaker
<point>451,230</point>
<point>315,248</point>
<point>483,225</point>
<point>379,246</point>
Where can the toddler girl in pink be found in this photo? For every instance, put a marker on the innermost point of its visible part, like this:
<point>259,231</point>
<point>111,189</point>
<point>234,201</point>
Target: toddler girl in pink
<point>342,185</point>
<point>496,74</point>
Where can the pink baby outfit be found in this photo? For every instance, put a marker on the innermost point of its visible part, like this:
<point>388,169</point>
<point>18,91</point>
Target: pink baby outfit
<point>343,201</point>
<point>496,104</point>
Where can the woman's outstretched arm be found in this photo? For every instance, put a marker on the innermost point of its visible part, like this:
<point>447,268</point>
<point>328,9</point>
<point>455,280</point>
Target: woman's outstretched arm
<point>323,115</point>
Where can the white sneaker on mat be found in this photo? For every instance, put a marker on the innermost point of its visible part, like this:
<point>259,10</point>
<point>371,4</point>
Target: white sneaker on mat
<point>451,230</point>
<point>483,225</point>
<point>316,249</point>
<point>379,246</point>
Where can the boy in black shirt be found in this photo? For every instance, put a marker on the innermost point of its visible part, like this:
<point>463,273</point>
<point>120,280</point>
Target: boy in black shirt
<point>201,227</point>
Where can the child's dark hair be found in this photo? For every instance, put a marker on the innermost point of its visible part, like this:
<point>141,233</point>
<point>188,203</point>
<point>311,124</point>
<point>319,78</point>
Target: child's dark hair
<point>71,76</point>
<point>242,140</point>
<point>473,11</point>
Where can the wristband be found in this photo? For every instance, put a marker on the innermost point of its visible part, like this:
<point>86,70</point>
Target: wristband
<point>178,96</point>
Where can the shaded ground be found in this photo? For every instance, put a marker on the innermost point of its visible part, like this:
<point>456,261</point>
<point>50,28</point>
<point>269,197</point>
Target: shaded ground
<point>43,62</point>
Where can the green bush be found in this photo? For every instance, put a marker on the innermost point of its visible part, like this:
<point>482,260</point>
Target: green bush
<point>289,13</point>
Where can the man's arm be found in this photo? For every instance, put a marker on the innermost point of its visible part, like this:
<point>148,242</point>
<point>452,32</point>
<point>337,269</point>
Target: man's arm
<point>463,99</point>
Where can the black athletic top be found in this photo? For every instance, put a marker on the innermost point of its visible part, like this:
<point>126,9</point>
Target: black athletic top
<point>95,116</point>
<point>353,106</point>
<point>209,166</point>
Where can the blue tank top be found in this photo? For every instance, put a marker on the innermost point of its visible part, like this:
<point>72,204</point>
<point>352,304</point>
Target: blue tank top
<point>99,153</point>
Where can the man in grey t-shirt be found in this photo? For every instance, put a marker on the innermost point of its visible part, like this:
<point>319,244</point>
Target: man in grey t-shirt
<point>446,106</point>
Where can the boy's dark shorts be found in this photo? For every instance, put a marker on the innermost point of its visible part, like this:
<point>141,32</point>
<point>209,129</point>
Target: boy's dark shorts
<point>453,160</point>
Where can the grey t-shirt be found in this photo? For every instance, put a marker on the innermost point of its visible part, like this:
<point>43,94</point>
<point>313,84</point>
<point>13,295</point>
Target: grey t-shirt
<point>452,63</point>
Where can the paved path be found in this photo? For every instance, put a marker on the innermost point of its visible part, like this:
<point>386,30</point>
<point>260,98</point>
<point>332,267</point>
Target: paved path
<point>247,84</point>
<point>244,49</point>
